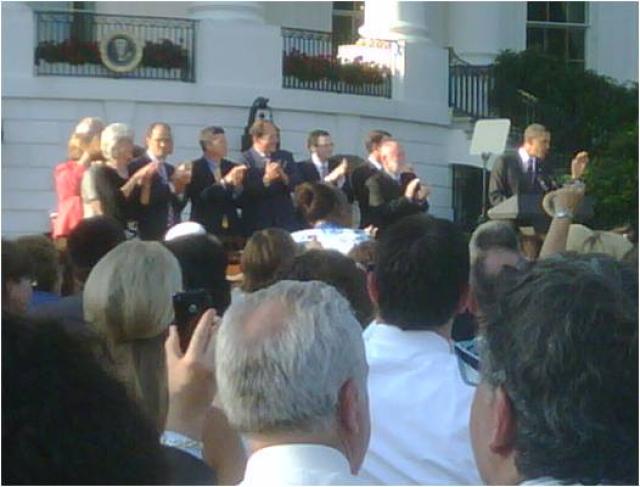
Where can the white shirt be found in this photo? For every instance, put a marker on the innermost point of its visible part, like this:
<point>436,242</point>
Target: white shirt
<point>375,163</point>
<point>321,166</point>
<point>524,158</point>
<point>420,410</point>
<point>299,464</point>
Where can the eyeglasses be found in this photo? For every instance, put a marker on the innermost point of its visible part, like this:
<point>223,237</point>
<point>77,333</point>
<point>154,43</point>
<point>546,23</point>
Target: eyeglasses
<point>467,352</point>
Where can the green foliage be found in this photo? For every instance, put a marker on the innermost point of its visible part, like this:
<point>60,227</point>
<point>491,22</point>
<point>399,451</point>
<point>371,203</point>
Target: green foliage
<point>583,111</point>
<point>612,179</point>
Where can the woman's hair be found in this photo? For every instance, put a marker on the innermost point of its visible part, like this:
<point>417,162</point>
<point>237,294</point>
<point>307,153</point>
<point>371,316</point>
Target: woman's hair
<point>266,252</point>
<point>46,262</point>
<point>84,135</point>
<point>128,301</point>
<point>319,201</point>
<point>110,137</point>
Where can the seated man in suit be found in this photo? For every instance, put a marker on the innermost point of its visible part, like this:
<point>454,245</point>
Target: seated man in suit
<point>319,168</point>
<point>161,195</point>
<point>271,176</point>
<point>216,184</point>
<point>394,191</point>
<point>524,171</point>
<point>360,175</point>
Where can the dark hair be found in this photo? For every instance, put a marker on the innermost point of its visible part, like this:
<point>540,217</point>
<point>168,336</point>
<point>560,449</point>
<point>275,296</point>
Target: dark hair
<point>319,201</point>
<point>151,127</point>
<point>45,261</point>
<point>16,265</point>
<point>331,267</point>
<point>374,138</point>
<point>422,268</point>
<point>266,252</point>
<point>206,132</point>
<point>314,135</point>
<point>90,240</point>
<point>493,234</point>
<point>563,343</point>
<point>64,419</point>
<point>259,128</point>
<point>203,262</point>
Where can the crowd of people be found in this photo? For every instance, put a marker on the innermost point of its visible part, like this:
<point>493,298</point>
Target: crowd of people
<point>394,350</point>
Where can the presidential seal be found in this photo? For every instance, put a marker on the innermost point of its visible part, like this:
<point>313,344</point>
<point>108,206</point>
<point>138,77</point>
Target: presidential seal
<point>120,52</point>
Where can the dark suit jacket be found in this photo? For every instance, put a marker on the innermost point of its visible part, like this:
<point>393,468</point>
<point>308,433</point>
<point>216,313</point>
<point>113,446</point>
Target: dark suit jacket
<point>211,201</point>
<point>508,178</point>
<point>309,174</point>
<point>268,206</point>
<point>387,203</point>
<point>153,218</point>
<point>358,181</point>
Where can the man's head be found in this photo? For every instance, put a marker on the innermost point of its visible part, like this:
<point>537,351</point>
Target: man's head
<point>493,245</point>
<point>392,156</point>
<point>159,140</point>
<point>17,272</point>
<point>421,273</point>
<point>89,241</point>
<point>373,140</point>
<point>320,143</point>
<point>559,396</point>
<point>537,141</point>
<point>290,363</point>
<point>264,136</point>
<point>213,142</point>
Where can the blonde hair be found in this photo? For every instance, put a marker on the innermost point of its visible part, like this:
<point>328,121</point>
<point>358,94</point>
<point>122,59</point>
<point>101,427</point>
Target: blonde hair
<point>84,134</point>
<point>110,137</point>
<point>128,302</point>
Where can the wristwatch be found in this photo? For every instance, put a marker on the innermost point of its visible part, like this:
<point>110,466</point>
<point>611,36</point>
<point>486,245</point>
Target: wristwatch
<point>563,213</point>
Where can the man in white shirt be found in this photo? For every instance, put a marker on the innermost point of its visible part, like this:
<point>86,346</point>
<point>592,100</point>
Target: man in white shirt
<point>558,399</point>
<point>291,376</point>
<point>419,403</point>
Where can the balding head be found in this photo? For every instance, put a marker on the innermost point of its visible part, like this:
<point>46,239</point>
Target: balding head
<point>392,156</point>
<point>283,359</point>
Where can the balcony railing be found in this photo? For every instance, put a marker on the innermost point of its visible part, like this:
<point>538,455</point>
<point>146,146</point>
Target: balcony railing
<point>469,88</point>
<point>309,63</point>
<point>68,44</point>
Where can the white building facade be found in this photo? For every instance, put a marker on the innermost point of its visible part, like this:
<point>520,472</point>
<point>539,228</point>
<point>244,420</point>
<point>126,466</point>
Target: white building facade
<point>238,56</point>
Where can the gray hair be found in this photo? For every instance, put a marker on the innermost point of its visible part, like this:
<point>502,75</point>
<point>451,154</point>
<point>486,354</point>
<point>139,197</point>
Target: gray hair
<point>535,131</point>
<point>110,137</point>
<point>283,354</point>
<point>490,235</point>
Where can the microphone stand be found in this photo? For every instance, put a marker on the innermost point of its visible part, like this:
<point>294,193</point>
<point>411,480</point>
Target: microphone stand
<point>485,159</point>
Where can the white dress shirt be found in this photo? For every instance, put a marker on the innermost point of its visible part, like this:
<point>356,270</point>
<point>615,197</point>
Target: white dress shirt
<point>299,464</point>
<point>420,410</point>
<point>524,159</point>
<point>375,163</point>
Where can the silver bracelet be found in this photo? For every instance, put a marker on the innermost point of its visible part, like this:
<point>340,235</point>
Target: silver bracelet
<point>563,214</point>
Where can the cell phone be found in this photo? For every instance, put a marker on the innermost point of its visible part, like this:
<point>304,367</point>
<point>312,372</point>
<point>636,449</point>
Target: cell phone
<point>406,178</point>
<point>188,307</point>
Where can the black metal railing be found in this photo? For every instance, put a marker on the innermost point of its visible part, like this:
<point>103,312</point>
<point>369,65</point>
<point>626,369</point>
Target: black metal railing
<point>309,62</point>
<point>469,88</point>
<point>68,44</point>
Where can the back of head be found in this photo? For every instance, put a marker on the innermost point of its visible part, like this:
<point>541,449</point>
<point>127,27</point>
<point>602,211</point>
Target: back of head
<point>111,135</point>
<point>128,301</point>
<point>266,252</point>
<point>203,262</point>
<point>339,271</point>
<point>318,201</point>
<point>90,240</point>
<point>490,235</point>
<point>282,355</point>
<point>374,138</point>
<point>85,135</point>
<point>64,420</point>
<point>422,269</point>
<point>45,262</point>
<point>16,266</point>
<point>563,343</point>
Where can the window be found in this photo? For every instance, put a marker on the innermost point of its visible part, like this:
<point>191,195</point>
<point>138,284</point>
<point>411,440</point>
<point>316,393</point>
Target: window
<point>347,18</point>
<point>558,28</point>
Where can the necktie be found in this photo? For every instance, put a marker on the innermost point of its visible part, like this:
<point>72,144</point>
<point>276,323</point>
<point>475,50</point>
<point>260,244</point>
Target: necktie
<point>531,174</point>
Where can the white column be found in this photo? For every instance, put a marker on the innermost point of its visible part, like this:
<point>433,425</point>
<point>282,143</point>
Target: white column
<point>395,20</point>
<point>476,30</point>
<point>244,12</point>
<point>235,47</point>
<point>18,31</point>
